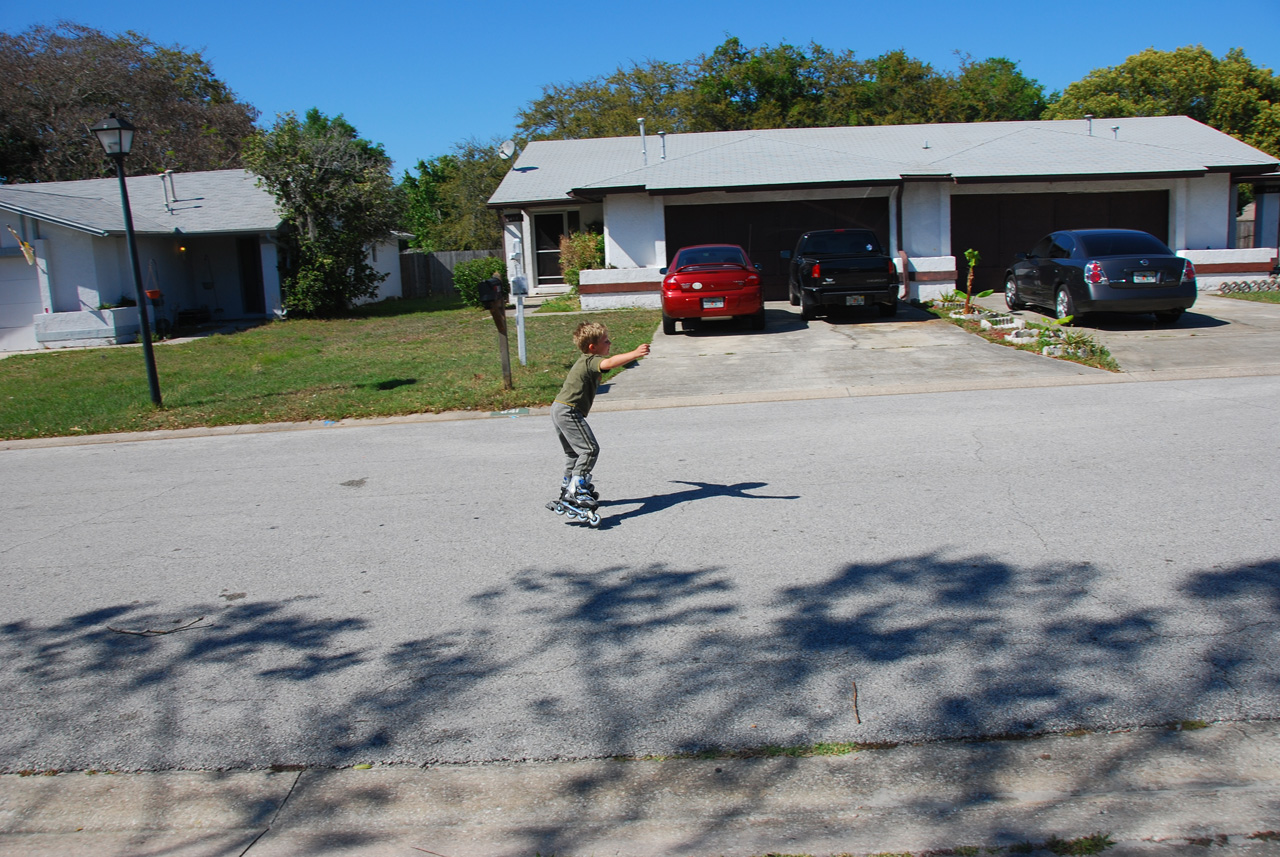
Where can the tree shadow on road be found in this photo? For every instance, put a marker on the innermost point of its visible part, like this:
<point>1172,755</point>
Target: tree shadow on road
<point>639,660</point>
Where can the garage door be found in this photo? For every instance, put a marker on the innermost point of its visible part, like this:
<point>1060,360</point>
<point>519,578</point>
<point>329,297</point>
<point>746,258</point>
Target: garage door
<point>19,301</point>
<point>768,230</point>
<point>1000,225</point>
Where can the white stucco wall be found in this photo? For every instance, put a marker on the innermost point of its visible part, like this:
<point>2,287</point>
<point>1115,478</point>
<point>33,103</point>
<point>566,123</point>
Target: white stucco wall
<point>634,231</point>
<point>385,258</point>
<point>1201,219</point>
<point>926,219</point>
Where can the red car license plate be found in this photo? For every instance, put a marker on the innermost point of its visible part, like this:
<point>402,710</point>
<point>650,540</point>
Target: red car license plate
<point>713,303</point>
<point>854,300</point>
<point>1146,277</point>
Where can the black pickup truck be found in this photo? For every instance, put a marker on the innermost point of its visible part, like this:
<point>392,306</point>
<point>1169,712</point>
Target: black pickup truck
<point>841,268</point>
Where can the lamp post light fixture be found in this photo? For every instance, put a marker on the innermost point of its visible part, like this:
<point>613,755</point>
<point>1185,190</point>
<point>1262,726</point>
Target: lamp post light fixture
<point>116,137</point>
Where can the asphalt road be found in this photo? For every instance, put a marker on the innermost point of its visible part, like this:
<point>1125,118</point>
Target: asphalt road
<point>977,563</point>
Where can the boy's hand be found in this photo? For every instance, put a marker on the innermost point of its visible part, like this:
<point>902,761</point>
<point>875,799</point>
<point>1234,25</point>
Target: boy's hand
<point>623,359</point>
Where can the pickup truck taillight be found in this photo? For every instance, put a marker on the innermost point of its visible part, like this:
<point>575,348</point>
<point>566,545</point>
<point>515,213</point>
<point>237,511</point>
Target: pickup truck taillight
<point>817,270</point>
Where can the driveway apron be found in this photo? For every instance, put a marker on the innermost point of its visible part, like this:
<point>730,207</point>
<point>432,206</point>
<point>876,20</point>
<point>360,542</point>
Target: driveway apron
<point>858,354</point>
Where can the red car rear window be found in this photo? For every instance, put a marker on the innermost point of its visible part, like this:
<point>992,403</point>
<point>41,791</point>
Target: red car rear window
<point>710,256</point>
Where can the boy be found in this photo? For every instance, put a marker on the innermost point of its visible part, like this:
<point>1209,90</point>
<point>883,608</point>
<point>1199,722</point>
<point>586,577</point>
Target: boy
<point>571,406</point>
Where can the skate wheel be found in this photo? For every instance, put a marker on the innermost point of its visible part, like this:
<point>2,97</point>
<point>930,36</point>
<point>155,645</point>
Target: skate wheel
<point>593,520</point>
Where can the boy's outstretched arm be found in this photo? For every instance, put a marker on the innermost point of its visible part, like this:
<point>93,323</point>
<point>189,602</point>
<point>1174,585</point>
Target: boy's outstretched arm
<point>615,360</point>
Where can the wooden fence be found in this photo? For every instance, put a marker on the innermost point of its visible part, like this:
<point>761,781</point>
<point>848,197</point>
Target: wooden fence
<point>424,275</point>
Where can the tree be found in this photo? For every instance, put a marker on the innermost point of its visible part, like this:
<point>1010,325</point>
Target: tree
<point>608,106</point>
<point>337,197</point>
<point>784,86</point>
<point>445,203</point>
<point>993,90</point>
<point>1230,94</point>
<point>60,80</point>
<point>737,88</point>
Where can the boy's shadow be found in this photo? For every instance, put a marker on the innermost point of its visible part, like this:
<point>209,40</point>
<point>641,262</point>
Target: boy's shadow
<point>696,491</point>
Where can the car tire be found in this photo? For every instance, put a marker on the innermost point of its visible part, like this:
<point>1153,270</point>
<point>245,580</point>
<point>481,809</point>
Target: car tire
<point>1011,294</point>
<point>888,310</point>
<point>808,311</point>
<point>758,320</point>
<point>1169,316</point>
<point>792,294</point>
<point>668,325</point>
<point>1063,305</point>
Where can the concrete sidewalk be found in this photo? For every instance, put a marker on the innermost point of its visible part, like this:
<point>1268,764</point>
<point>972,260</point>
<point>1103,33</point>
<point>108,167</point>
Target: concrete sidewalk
<point>1160,791</point>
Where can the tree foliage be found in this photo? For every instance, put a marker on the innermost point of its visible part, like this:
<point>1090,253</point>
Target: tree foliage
<point>1230,94</point>
<point>59,80</point>
<point>445,202</point>
<point>738,88</point>
<point>337,197</point>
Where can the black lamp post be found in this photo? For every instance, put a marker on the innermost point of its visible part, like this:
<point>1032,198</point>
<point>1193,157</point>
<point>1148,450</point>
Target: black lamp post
<point>116,137</point>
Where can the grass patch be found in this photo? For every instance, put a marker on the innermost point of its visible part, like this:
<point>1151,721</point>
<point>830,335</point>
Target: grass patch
<point>561,303</point>
<point>769,751</point>
<point>1084,845</point>
<point>1256,297</point>
<point>1190,725</point>
<point>386,359</point>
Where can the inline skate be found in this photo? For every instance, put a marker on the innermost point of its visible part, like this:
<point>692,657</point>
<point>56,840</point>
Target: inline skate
<point>578,500</point>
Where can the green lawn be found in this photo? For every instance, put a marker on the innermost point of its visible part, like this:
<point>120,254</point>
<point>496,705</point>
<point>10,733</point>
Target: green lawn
<point>399,357</point>
<point>1260,297</point>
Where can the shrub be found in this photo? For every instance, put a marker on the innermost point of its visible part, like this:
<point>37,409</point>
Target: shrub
<point>580,251</point>
<point>467,277</point>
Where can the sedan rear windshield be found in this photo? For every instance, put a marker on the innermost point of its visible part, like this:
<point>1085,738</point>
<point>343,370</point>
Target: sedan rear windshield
<point>1123,244</point>
<point>845,243</point>
<point>711,256</point>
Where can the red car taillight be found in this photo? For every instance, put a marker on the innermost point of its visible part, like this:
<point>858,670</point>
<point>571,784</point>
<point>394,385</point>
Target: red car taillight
<point>817,270</point>
<point>1094,274</point>
<point>1188,272</point>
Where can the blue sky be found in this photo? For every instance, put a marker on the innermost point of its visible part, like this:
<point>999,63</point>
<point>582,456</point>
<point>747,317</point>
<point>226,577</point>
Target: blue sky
<point>419,77</point>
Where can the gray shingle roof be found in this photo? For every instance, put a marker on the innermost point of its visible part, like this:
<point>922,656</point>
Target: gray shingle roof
<point>207,202</point>
<point>553,170</point>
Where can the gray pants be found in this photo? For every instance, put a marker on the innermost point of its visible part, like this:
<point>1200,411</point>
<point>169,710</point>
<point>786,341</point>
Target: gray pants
<point>580,447</point>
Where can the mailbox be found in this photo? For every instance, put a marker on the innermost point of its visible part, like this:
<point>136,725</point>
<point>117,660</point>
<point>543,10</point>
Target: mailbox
<point>490,290</point>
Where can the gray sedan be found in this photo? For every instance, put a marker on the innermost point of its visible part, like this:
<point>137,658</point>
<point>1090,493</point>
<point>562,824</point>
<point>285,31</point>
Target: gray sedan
<point>1077,271</point>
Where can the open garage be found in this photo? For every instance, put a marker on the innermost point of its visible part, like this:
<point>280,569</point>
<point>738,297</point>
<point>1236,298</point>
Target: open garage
<point>1002,224</point>
<point>769,230</point>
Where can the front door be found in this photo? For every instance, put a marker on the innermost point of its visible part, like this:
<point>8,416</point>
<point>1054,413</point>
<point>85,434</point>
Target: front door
<point>548,229</point>
<point>249,256</point>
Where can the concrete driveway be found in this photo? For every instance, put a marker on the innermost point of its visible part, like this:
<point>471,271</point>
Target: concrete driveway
<point>1218,337</point>
<point>914,352</point>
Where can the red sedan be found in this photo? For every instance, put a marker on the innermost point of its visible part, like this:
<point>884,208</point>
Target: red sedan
<point>709,281</point>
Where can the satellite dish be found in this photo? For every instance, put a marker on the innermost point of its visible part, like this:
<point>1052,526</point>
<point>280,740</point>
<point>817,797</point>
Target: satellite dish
<point>507,149</point>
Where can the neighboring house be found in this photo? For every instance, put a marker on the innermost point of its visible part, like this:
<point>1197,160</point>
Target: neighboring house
<point>929,191</point>
<point>206,243</point>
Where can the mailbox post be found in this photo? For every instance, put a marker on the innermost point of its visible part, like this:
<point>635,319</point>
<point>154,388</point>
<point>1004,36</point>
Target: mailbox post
<point>494,297</point>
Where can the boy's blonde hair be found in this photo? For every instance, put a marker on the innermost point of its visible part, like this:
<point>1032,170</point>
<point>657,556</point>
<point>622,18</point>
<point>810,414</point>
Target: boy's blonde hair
<point>588,332</point>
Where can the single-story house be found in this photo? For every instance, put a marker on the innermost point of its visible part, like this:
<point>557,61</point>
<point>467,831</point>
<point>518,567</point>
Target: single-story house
<point>206,243</point>
<point>929,191</point>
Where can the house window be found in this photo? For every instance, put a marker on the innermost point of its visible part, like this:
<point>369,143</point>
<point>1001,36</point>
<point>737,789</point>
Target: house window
<point>548,229</point>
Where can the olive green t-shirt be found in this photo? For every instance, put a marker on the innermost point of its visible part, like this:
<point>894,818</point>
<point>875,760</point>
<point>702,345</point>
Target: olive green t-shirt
<point>579,390</point>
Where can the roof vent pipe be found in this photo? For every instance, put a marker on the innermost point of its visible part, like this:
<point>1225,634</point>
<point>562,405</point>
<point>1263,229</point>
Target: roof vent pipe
<point>662,135</point>
<point>1088,117</point>
<point>644,153</point>
<point>1115,129</point>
